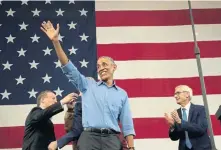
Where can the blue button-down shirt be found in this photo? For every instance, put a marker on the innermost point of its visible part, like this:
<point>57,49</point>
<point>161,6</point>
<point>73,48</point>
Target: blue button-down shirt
<point>102,106</point>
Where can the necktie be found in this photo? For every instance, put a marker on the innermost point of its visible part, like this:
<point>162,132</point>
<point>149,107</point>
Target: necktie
<point>188,144</point>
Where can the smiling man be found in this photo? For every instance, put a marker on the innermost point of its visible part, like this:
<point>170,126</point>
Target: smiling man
<point>103,102</point>
<point>188,124</point>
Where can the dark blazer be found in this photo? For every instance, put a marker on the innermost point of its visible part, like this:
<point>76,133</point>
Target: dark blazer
<point>39,129</point>
<point>77,128</point>
<point>196,128</point>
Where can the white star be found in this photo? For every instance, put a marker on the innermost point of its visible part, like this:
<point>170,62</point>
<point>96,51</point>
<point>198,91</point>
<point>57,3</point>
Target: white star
<point>58,92</point>
<point>60,37</point>
<point>32,93</point>
<point>7,66</point>
<point>84,37</point>
<point>36,12</point>
<point>34,64</point>
<point>20,80</point>
<point>47,51</point>
<point>72,25</point>
<point>10,38</point>
<point>0,50</point>
<point>60,12</point>
<point>21,52</point>
<point>48,2</point>
<point>24,2</point>
<point>35,38</point>
<point>46,78</point>
<point>83,63</point>
<point>23,26</point>
<point>83,12</point>
<point>73,50</point>
<point>0,25</point>
<point>5,94</point>
<point>58,64</point>
<point>71,1</point>
<point>10,12</point>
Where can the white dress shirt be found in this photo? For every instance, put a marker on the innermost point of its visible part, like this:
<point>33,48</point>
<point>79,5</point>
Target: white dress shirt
<point>187,107</point>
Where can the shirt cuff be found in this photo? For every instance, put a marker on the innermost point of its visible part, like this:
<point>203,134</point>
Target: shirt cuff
<point>129,132</point>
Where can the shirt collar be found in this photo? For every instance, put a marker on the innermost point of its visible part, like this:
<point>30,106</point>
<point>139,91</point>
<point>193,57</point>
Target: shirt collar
<point>102,82</point>
<point>187,107</point>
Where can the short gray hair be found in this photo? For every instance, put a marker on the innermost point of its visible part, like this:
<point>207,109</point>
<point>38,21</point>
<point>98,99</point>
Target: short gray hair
<point>187,89</point>
<point>41,95</point>
<point>111,59</point>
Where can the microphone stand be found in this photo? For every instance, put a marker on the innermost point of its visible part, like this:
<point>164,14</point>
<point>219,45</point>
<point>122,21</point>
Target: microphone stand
<point>197,54</point>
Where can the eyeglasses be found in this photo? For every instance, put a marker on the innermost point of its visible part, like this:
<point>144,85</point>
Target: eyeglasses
<point>179,92</point>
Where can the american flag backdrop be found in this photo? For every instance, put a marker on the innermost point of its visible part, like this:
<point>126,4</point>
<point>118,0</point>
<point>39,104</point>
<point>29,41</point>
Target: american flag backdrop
<point>151,42</point>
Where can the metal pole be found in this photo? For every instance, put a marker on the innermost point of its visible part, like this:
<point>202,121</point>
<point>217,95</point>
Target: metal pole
<point>197,54</point>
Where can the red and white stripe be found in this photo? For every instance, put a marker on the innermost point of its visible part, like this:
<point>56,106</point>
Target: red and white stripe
<point>152,44</point>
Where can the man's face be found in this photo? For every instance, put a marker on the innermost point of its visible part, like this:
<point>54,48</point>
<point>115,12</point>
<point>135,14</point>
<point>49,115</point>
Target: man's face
<point>105,68</point>
<point>49,99</point>
<point>181,95</point>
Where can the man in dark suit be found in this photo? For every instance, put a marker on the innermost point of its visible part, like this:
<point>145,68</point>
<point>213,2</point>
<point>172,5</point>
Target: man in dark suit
<point>73,124</point>
<point>188,124</point>
<point>39,129</point>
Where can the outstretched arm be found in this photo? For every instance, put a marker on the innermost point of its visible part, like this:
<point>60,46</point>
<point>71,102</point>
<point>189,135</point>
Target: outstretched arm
<point>68,68</point>
<point>39,115</point>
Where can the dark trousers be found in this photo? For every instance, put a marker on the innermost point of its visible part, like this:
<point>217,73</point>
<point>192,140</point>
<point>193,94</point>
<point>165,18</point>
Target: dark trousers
<point>98,141</point>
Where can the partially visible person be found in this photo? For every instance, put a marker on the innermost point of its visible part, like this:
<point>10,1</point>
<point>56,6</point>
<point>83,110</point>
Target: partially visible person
<point>188,124</point>
<point>39,129</point>
<point>68,121</point>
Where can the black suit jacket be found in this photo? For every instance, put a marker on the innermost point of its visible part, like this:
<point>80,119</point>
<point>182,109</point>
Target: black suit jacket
<point>77,127</point>
<point>196,128</point>
<point>39,130</point>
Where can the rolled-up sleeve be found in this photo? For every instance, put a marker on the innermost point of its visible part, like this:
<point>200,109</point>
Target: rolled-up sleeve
<point>126,119</point>
<point>75,76</point>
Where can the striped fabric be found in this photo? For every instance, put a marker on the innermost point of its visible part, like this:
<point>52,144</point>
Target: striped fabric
<point>152,44</point>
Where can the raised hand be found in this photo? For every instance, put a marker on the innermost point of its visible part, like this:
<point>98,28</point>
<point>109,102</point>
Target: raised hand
<point>69,98</point>
<point>50,31</point>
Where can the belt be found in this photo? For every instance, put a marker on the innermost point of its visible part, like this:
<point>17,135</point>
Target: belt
<point>101,130</point>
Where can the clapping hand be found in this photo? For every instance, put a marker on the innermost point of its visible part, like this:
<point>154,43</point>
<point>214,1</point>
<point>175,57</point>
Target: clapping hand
<point>169,119</point>
<point>176,117</point>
